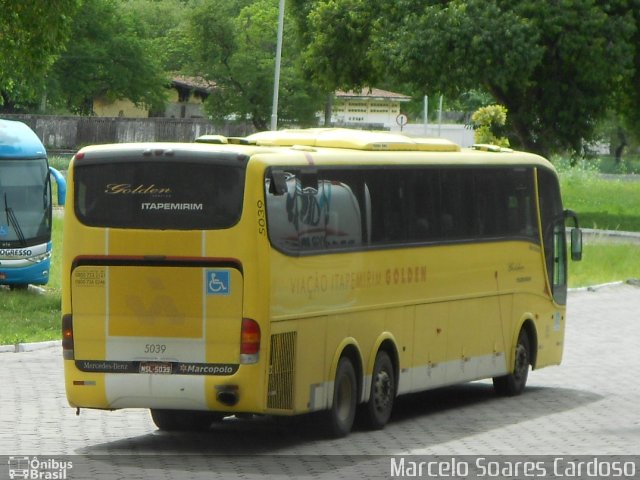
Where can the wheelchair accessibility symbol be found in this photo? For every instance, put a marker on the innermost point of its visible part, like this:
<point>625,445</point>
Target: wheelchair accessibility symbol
<point>218,282</point>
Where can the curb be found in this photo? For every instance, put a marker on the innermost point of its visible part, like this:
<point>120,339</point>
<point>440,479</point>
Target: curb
<point>29,347</point>
<point>611,235</point>
<point>593,288</point>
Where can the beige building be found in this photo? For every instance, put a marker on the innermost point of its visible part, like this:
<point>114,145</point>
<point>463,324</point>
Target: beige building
<point>185,99</point>
<point>119,108</point>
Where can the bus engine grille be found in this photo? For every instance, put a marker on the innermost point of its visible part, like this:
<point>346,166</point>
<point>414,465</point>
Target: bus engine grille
<point>281,371</point>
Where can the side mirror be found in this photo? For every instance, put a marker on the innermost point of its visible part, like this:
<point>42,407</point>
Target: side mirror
<point>62,185</point>
<point>576,236</point>
<point>576,244</point>
<point>278,183</point>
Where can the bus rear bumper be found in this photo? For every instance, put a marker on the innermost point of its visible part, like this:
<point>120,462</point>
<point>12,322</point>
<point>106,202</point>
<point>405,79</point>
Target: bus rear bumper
<point>228,394</point>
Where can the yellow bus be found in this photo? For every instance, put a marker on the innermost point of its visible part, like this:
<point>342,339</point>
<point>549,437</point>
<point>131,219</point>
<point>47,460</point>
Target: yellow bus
<point>319,270</point>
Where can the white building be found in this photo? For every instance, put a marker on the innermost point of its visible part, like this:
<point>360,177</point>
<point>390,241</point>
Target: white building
<point>371,108</point>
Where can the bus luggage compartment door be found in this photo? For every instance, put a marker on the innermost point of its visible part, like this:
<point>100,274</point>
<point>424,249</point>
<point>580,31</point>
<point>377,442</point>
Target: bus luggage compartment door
<point>157,332</point>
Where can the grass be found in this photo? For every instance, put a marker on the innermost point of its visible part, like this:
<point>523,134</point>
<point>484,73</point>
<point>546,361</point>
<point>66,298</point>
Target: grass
<point>605,203</point>
<point>34,315</point>
<point>604,263</point>
<point>601,202</point>
<point>60,162</point>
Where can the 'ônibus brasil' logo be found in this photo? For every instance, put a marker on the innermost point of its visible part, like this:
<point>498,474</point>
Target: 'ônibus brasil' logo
<point>35,468</point>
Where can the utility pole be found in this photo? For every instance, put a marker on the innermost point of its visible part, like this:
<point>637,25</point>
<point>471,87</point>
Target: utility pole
<point>276,80</point>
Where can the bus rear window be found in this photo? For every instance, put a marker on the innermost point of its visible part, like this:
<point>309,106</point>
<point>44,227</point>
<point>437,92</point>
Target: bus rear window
<point>165,195</point>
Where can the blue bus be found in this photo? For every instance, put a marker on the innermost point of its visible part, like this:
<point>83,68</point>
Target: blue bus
<point>25,206</point>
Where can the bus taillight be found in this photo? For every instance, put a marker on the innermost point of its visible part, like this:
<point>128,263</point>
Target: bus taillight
<point>249,341</point>
<point>67,337</point>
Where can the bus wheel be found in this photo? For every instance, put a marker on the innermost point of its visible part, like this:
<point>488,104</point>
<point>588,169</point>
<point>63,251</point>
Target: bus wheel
<point>343,408</point>
<point>376,412</point>
<point>184,420</point>
<point>514,383</point>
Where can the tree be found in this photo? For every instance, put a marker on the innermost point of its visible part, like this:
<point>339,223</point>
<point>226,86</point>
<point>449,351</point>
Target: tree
<point>627,101</point>
<point>32,34</point>
<point>555,65</point>
<point>235,43</point>
<point>339,36</point>
<point>487,124</point>
<point>106,59</point>
<point>163,25</point>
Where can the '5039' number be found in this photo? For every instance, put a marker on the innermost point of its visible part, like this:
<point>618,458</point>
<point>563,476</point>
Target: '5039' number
<point>155,348</point>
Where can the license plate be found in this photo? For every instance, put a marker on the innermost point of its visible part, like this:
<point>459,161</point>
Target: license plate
<point>162,368</point>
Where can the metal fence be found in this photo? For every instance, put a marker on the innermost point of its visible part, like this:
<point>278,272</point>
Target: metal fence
<point>71,133</point>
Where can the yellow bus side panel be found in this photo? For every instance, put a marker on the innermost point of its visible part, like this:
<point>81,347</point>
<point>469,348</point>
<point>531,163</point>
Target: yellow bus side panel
<point>89,308</point>
<point>86,390</point>
<point>149,243</point>
<point>453,311</point>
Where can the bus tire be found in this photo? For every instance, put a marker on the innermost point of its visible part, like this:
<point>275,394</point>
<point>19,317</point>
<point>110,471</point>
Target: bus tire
<point>514,383</point>
<point>376,412</point>
<point>184,420</point>
<point>345,395</point>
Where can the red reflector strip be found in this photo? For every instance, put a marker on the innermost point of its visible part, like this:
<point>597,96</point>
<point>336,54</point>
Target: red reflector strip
<point>87,383</point>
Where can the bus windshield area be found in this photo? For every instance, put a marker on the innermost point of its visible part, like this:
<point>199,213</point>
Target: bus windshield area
<point>25,202</point>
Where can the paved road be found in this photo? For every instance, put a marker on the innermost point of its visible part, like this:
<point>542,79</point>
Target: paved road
<point>587,406</point>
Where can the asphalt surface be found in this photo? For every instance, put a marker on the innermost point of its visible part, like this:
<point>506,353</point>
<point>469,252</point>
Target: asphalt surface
<point>589,405</point>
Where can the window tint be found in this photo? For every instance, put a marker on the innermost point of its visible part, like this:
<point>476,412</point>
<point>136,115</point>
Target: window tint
<point>159,195</point>
<point>379,206</point>
<point>25,197</point>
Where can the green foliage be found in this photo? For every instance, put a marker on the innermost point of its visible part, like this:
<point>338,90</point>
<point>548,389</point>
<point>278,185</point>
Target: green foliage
<point>627,100</point>
<point>338,56</point>
<point>234,44</point>
<point>106,59</point>
<point>163,25</point>
<point>487,123</point>
<point>557,66</point>
<point>552,64</point>
<point>32,34</point>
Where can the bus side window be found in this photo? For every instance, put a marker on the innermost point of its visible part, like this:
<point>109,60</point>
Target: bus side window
<point>343,227</point>
<point>325,216</point>
<point>388,206</point>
